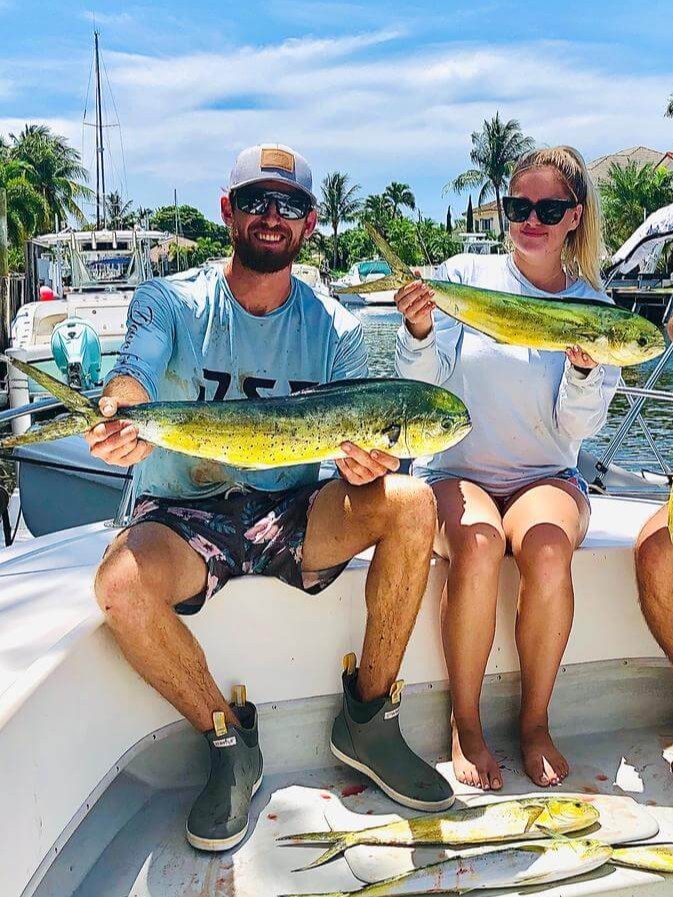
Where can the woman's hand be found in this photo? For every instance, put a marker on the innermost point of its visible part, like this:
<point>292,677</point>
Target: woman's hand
<point>580,359</point>
<point>414,301</point>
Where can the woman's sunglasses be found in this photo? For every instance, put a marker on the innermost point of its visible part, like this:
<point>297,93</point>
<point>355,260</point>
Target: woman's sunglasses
<point>548,211</point>
<point>291,204</point>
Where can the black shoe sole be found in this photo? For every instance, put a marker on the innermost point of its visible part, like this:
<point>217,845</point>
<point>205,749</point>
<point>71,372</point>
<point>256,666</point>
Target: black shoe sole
<point>218,844</point>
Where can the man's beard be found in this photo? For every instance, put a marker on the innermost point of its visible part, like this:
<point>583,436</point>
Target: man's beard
<point>258,258</point>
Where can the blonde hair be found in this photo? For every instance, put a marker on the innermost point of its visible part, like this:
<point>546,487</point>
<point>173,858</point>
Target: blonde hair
<point>583,246</point>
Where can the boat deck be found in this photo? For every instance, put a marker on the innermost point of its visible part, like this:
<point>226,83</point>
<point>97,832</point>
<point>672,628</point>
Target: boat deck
<point>99,805</point>
<point>132,844</point>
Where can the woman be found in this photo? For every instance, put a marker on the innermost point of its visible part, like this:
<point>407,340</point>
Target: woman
<point>513,481</point>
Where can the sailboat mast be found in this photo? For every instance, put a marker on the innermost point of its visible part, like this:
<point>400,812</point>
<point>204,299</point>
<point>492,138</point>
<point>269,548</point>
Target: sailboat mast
<point>101,217</point>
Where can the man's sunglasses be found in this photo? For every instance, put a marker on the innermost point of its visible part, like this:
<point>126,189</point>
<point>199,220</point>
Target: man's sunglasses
<point>291,204</point>
<point>548,211</point>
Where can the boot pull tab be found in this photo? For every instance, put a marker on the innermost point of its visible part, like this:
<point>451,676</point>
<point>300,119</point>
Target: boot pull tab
<point>350,663</point>
<point>239,695</point>
<point>219,724</point>
<point>396,691</point>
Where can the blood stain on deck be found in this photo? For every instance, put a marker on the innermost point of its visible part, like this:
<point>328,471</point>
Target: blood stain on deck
<point>351,790</point>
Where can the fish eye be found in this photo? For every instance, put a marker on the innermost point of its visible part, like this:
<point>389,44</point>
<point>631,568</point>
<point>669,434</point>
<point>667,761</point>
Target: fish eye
<point>642,340</point>
<point>447,423</point>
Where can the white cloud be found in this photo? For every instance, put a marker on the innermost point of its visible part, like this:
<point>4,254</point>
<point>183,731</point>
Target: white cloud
<point>108,19</point>
<point>368,105</point>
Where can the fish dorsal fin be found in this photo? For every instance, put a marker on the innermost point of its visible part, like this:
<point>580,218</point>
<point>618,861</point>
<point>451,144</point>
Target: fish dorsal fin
<point>534,813</point>
<point>396,264</point>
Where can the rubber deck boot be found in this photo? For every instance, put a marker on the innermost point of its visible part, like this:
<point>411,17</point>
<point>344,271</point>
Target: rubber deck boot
<point>367,737</point>
<point>219,817</point>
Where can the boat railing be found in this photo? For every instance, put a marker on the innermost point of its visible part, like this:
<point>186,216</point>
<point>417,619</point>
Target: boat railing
<point>636,397</point>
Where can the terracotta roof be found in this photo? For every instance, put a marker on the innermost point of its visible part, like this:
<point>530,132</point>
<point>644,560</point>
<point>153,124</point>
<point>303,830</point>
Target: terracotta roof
<point>487,207</point>
<point>163,248</point>
<point>641,155</point>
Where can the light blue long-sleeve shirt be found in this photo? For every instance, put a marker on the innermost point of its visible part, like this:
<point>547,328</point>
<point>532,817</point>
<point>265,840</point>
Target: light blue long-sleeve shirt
<point>189,339</point>
<point>530,409</point>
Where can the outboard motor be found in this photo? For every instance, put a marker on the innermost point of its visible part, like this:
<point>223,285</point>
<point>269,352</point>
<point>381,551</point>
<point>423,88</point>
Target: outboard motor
<point>77,353</point>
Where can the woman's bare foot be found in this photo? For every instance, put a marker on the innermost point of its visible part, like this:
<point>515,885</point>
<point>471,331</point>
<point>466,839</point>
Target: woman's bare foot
<point>541,760</point>
<point>473,763</point>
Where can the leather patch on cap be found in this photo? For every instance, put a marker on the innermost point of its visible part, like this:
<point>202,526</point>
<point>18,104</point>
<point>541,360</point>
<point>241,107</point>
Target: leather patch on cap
<point>277,158</point>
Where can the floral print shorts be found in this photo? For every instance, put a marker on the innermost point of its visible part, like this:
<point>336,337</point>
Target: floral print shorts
<point>241,533</point>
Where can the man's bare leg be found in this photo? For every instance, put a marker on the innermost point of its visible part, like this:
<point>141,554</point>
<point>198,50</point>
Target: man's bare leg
<point>397,515</point>
<point>654,570</point>
<point>147,571</point>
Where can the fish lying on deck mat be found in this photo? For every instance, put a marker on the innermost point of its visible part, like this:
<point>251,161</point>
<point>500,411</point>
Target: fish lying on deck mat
<point>516,866</point>
<point>509,820</point>
<point>651,857</point>
<point>405,418</point>
<point>609,334</point>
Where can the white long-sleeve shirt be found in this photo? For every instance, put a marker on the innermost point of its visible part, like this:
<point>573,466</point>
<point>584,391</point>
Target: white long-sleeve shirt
<point>530,409</point>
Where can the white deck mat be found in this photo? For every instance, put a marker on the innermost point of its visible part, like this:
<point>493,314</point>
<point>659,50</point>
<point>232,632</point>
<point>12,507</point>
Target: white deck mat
<point>622,821</point>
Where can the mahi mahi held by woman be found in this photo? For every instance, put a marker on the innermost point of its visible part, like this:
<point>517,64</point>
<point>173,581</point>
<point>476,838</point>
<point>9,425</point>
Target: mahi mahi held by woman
<point>609,334</point>
<point>405,418</point>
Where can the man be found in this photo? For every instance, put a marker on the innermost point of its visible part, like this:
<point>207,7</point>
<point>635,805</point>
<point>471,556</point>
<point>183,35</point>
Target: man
<point>654,571</point>
<point>253,330</point>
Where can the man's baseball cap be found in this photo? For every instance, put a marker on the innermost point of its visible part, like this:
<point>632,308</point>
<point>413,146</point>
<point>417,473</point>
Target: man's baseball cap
<point>272,162</point>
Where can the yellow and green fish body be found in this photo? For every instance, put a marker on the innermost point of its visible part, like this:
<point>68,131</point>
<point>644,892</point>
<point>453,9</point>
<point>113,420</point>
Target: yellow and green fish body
<point>609,334</point>
<point>517,866</point>
<point>405,418</point>
<point>510,820</point>
<point>650,857</point>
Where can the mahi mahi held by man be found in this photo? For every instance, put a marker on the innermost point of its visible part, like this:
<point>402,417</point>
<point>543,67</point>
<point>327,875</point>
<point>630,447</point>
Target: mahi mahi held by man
<point>609,334</point>
<point>508,820</point>
<point>405,418</point>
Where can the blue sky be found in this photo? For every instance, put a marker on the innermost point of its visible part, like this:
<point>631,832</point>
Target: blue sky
<point>383,90</point>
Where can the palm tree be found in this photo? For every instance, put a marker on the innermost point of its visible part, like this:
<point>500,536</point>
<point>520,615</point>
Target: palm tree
<point>399,195</point>
<point>629,194</point>
<point>57,172</point>
<point>495,150</point>
<point>26,207</point>
<point>378,210</point>
<point>340,203</point>
<point>119,213</point>
<point>669,108</point>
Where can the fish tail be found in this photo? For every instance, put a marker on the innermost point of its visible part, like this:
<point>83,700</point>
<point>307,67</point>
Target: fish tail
<point>326,894</point>
<point>69,425</point>
<point>396,264</point>
<point>391,282</point>
<point>72,399</point>
<point>339,841</point>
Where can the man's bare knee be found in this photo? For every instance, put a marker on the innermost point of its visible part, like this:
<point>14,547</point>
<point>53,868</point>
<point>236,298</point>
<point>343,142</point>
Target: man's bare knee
<point>410,505</point>
<point>123,586</point>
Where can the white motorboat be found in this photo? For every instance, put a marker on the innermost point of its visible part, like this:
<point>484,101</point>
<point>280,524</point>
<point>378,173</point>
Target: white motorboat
<point>364,272</point>
<point>97,771</point>
<point>101,269</point>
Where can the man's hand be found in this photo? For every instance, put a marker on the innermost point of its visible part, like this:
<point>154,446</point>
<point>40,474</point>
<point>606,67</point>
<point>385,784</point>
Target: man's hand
<point>116,442</point>
<point>361,467</point>
<point>580,359</point>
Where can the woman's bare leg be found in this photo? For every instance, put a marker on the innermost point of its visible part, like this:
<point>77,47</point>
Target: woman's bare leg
<point>471,537</point>
<point>544,524</point>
